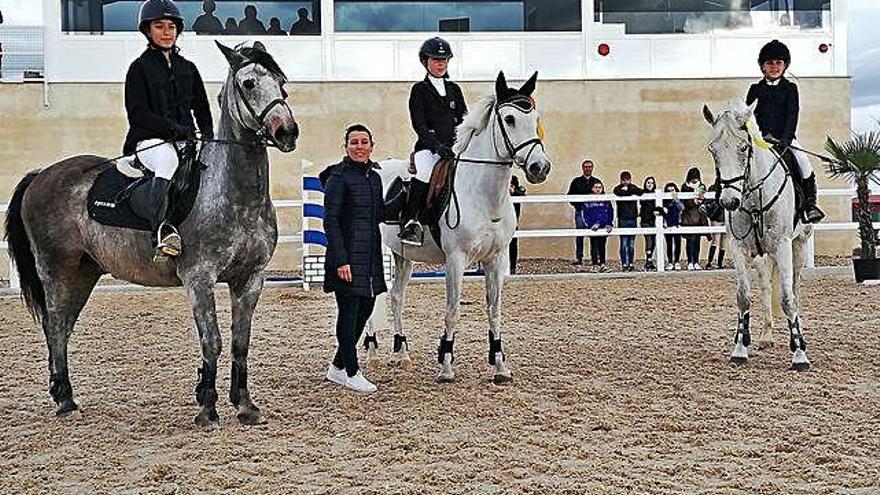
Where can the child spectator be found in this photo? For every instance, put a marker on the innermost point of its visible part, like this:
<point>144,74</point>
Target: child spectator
<point>627,215</point>
<point>693,216</point>
<point>715,212</point>
<point>598,215</point>
<point>647,208</point>
<point>672,209</point>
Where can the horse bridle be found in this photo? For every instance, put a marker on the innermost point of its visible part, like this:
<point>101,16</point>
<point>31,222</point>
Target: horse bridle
<point>263,136</point>
<point>526,105</point>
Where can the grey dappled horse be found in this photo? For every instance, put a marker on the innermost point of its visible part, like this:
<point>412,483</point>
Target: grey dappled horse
<point>229,236</point>
<point>501,130</point>
<point>758,194</point>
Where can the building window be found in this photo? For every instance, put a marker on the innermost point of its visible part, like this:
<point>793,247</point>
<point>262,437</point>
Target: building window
<point>701,16</point>
<point>472,15</point>
<point>210,17</point>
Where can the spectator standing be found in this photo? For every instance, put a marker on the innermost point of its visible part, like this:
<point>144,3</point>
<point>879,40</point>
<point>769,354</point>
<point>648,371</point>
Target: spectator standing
<point>715,213</point>
<point>693,216</point>
<point>627,217</point>
<point>598,215</point>
<point>580,185</point>
<point>250,24</point>
<point>647,209</point>
<point>671,212</point>
<point>208,23</point>
<point>303,25</point>
<point>515,190</point>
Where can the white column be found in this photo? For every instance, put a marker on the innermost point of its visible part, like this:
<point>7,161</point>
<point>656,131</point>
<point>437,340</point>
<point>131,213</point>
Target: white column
<point>660,243</point>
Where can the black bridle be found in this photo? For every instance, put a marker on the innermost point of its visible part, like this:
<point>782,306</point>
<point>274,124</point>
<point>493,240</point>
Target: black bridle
<point>526,106</point>
<point>264,137</point>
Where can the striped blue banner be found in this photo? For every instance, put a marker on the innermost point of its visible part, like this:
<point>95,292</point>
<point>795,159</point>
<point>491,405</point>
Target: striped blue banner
<point>312,184</point>
<point>313,211</point>
<point>314,237</point>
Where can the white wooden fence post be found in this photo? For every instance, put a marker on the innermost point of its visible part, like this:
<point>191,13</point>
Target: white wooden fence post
<point>660,239</point>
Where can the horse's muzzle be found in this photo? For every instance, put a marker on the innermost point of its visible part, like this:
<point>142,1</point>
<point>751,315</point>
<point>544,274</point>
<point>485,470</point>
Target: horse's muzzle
<point>285,136</point>
<point>731,204</point>
<point>536,172</point>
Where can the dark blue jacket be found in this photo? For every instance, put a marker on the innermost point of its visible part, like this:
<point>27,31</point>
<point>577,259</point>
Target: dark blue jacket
<point>599,213</point>
<point>435,117</point>
<point>353,209</point>
<point>672,209</point>
<point>777,109</point>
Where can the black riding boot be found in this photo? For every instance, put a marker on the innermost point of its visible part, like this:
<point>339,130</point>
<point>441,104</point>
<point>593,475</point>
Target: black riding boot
<point>411,232</point>
<point>168,241</point>
<point>812,213</point>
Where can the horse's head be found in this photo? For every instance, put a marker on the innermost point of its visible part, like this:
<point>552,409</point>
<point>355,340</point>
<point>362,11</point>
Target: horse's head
<point>732,149</point>
<point>254,95</point>
<point>520,132</point>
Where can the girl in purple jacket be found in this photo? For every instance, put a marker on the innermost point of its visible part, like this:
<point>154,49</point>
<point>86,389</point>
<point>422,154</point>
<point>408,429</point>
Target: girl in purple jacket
<point>598,215</point>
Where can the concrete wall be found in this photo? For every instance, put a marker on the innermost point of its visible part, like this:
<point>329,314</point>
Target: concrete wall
<point>650,127</point>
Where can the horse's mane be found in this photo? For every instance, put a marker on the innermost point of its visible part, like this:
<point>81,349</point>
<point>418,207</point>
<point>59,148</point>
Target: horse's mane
<point>732,119</point>
<point>474,123</point>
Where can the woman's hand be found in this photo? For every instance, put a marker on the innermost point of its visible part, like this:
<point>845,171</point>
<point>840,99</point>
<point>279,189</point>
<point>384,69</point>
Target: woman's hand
<point>344,272</point>
<point>608,228</point>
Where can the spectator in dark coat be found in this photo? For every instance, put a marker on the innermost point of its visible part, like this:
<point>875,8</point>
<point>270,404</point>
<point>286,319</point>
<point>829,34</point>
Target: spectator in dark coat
<point>693,216</point>
<point>354,207</point>
<point>627,216</point>
<point>582,184</point>
<point>672,209</point>
<point>648,220</point>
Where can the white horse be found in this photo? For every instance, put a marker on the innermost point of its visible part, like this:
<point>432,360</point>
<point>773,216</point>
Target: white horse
<point>758,193</point>
<point>502,130</point>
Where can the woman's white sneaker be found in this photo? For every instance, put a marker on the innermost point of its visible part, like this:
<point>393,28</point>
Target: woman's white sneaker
<point>336,375</point>
<point>360,384</point>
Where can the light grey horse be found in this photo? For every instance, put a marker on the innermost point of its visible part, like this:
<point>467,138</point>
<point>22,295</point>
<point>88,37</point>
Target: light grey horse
<point>758,193</point>
<point>501,130</point>
<point>229,236</point>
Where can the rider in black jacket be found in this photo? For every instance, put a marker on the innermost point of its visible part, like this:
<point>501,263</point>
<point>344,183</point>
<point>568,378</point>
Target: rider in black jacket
<point>163,91</point>
<point>777,116</point>
<point>436,107</point>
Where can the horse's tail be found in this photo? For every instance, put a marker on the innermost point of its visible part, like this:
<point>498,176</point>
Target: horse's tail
<point>21,254</point>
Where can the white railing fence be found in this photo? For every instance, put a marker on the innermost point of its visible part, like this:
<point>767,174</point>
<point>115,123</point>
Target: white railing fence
<point>658,231</point>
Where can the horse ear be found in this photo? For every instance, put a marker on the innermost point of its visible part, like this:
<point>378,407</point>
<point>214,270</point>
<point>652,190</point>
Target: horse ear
<point>233,57</point>
<point>529,87</point>
<point>707,114</point>
<point>259,46</point>
<point>500,85</point>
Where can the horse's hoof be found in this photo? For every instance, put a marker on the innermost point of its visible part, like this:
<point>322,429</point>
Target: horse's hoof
<point>500,379</point>
<point>208,420</point>
<point>800,367</point>
<point>68,409</point>
<point>738,360</point>
<point>251,417</point>
<point>441,378</point>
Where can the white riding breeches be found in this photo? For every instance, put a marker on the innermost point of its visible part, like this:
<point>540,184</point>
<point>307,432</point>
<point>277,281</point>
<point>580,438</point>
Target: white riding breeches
<point>803,160</point>
<point>424,162</point>
<point>161,157</point>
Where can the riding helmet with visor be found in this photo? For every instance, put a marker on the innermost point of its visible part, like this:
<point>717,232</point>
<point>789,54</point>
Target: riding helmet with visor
<point>155,10</point>
<point>775,50</point>
<point>435,48</point>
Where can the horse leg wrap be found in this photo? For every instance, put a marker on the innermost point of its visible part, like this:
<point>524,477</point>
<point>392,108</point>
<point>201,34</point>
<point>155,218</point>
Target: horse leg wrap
<point>59,387</point>
<point>237,381</point>
<point>796,338</point>
<point>742,328</point>
<point>205,390</point>
<point>445,347</point>
<point>370,339</point>
<point>494,349</point>
<point>400,343</point>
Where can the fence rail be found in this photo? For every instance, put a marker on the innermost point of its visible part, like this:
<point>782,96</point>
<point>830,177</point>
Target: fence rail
<point>659,231</point>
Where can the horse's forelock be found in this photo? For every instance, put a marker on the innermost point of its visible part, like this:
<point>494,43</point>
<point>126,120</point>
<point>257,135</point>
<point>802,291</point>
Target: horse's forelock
<point>475,121</point>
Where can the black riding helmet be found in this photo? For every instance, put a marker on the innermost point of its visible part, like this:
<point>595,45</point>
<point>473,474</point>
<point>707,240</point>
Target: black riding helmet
<point>154,10</point>
<point>775,50</point>
<point>435,48</point>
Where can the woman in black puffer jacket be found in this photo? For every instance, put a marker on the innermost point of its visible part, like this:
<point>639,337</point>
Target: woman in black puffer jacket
<point>354,207</point>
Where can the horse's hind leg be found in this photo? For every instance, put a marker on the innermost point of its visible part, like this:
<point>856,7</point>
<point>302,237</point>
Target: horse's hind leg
<point>201,295</point>
<point>397,296</point>
<point>797,342</point>
<point>742,337</point>
<point>67,290</point>
<point>455,264</point>
<point>495,272</point>
<point>244,298</point>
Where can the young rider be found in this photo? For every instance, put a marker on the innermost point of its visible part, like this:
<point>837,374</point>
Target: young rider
<point>436,107</point>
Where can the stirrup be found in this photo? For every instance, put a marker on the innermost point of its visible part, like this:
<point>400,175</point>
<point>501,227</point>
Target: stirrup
<point>816,217</point>
<point>170,244</point>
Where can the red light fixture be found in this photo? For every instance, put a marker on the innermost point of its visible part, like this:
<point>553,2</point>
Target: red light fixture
<point>824,47</point>
<point>604,49</point>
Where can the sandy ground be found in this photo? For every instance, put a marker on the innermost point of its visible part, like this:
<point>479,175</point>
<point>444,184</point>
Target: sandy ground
<point>621,386</point>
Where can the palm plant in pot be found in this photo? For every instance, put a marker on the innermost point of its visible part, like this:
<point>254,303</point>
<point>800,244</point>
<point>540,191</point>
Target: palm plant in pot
<point>858,161</point>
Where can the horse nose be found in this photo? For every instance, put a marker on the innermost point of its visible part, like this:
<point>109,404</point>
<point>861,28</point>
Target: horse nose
<point>535,169</point>
<point>733,204</point>
<point>287,135</point>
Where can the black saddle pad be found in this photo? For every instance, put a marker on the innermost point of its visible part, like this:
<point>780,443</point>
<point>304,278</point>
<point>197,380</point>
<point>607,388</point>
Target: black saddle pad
<point>432,215</point>
<point>108,198</point>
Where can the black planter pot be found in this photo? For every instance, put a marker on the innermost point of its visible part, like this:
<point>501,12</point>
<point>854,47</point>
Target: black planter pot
<point>866,269</point>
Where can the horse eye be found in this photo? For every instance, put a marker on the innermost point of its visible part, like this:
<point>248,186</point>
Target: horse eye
<point>509,120</point>
<point>249,84</point>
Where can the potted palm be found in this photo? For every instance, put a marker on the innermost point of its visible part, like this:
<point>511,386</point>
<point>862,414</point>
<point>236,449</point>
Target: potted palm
<point>858,161</point>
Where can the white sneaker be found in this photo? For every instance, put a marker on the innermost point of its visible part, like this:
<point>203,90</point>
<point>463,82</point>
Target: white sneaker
<point>359,384</point>
<point>676,266</point>
<point>335,374</point>
<point>697,266</point>
<point>690,266</point>
<point>669,267</point>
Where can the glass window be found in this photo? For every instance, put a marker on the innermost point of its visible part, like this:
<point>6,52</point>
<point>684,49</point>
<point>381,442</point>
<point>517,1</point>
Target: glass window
<point>700,16</point>
<point>472,15</point>
<point>213,17</point>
